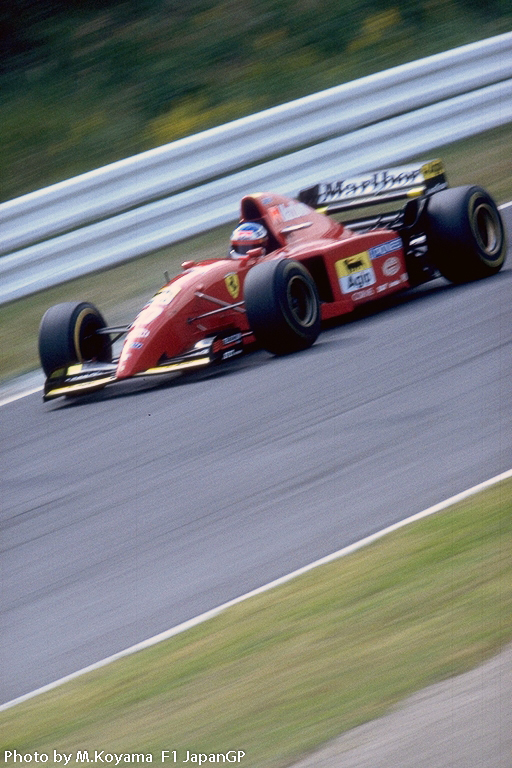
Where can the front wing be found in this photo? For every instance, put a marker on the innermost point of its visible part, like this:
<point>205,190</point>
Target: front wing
<point>89,376</point>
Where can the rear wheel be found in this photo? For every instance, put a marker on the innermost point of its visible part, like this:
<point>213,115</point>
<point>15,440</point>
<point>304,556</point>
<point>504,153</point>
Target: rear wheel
<point>68,334</point>
<point>465,234</point>
<point>282,305</point>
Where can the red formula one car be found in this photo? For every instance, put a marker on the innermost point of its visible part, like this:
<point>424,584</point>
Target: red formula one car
<point>291,267</point>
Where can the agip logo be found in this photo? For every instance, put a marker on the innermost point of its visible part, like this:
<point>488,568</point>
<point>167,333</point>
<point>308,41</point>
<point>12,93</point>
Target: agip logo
<point>355,272</point>
<point>233,284</point>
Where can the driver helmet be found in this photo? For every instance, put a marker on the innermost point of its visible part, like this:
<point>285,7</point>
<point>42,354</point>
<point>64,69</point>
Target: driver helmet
<point>246,236</point>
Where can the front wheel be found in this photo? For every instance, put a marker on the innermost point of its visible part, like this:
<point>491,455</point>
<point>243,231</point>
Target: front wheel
<point>68,334</point>
<point>465,234</point>
<point>282,305</point>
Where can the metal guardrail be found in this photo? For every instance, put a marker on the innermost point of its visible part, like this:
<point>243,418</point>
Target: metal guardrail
<point>405,111</point>
<point>196,159</point>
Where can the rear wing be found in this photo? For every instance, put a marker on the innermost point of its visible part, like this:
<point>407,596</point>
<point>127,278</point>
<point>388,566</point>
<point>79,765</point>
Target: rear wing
<point>376,187</point>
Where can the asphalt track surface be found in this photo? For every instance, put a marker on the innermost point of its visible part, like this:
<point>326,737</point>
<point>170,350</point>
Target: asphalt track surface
<point>130,511</point>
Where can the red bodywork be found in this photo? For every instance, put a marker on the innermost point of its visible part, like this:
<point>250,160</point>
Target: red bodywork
<point>207,298</point>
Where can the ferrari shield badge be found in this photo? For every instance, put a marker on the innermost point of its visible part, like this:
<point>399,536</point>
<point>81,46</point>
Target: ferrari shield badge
<point>233,284</point>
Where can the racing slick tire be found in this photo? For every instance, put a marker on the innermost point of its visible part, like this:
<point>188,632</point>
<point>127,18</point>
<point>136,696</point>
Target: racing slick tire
<point>68,334</point>
<point>282,305</point>
<point>465,234</point>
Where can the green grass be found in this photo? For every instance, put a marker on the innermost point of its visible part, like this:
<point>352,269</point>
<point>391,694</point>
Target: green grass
<point>283,672</point>
<point>121,291</point>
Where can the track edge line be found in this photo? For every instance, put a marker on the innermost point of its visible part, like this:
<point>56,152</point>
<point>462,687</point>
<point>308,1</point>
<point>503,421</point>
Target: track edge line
<point>184,626</point>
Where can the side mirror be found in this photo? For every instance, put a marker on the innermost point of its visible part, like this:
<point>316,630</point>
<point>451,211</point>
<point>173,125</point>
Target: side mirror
<point>256,253</point>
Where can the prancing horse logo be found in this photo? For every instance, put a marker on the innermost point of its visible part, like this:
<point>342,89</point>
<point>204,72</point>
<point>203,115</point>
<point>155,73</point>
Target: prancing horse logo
<point>232,284</point>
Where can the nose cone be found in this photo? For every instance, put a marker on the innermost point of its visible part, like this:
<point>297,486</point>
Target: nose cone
<point>134,352</point>
<point>153,334</point>
<point>193,305</point>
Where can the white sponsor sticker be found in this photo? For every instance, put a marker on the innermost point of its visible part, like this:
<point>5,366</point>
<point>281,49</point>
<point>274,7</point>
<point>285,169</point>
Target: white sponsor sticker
<point>391,266</point>
<point>290,211</point>
<point>366,294</point>
<point>355,272</point>
<point>357,281</point>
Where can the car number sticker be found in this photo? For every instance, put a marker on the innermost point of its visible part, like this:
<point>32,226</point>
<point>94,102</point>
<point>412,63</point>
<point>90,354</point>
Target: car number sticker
<point>355,272</point>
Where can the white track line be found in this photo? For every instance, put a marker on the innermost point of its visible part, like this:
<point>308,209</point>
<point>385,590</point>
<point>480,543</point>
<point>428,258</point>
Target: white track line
<point>265,588</point>
<point>26,393</point>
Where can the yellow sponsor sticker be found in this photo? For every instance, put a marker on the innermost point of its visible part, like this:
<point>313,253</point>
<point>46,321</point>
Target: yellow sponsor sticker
<point>355,272</point>
<point>356,263</point>
<point>233,284</point>
<point>432,169</point>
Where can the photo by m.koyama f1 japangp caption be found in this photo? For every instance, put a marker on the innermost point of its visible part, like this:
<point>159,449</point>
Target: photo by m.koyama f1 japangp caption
<point>105,757</point>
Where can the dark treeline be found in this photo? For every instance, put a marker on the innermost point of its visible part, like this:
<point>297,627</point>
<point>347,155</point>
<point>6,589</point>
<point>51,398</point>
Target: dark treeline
<point>84,82</point>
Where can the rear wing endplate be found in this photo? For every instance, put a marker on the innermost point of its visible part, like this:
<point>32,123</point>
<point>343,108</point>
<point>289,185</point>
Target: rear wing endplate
<point>376,187</point>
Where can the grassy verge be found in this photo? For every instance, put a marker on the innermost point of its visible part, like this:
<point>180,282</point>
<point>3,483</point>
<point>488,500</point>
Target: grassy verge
<point>120,292</point>
<point>283,672</point>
